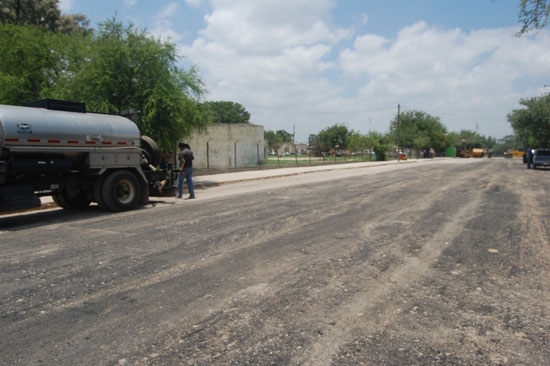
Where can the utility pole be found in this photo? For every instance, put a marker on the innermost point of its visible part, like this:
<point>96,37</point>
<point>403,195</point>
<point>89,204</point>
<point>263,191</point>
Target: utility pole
<point>208,154</point>
<point>294,142</point>
<point>398,126</point>
<point>236,153</point>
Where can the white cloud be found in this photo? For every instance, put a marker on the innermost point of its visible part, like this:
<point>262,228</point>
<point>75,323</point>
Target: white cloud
<point>65,6</point>
<point>162,23</point>
<point>284,64</point>
<point>267,56</point>
<point>252,26</point>
<point>194,3</point>
<point>466,78</point>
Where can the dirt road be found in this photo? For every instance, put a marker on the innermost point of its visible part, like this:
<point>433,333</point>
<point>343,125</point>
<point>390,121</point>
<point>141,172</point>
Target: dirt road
<point>446,263</point>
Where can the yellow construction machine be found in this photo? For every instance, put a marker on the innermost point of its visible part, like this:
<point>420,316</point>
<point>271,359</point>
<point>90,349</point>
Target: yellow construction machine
<point>472,153</point>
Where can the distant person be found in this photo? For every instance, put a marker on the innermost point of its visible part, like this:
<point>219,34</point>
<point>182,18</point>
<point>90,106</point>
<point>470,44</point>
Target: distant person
<point>529,157</point>
<point>185,159</point>
<point>432,152</point>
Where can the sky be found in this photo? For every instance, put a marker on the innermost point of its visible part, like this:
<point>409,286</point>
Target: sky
<point>309,64</point>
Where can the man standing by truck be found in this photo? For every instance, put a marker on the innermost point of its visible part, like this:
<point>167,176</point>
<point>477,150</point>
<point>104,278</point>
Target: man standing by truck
<point>185,158</point>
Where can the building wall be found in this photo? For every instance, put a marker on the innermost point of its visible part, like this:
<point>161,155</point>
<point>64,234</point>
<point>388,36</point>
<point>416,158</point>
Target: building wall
<point>215,148</point>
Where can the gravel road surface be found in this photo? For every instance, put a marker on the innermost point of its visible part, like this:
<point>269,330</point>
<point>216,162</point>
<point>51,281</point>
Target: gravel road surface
<point>435,263</point>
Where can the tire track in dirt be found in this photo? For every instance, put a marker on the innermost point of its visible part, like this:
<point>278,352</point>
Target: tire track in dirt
<point>278,292</point>
<point>399,277</point>
<point>479,304</point>
<point>221,220</point>
<point>252,246</point>
<point>99,296</point>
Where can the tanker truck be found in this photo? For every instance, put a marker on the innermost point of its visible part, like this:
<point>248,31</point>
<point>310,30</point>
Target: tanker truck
<point>56,148</point>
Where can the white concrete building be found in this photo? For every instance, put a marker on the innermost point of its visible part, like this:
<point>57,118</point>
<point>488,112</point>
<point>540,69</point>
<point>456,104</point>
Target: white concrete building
<point>228,145</point>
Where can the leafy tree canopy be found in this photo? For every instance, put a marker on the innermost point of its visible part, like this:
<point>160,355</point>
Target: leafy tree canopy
<point>128,70</point>
<point>117,69</point>
<point>334,137</point>
<point>453,139</point>
<point>532,124</point>
<point>373,141</point>
<point>227,112</point>
<point>28,63</point>
<point>42,13</point>
<point>359,142</point>
<point>274,140</point>
<point>533,15</point>
<point>284,135</point>
<point>419,130</point>
<point>468,139</point>
<point>506,143</point>
<point>380,145</point>
<point>338,137</point>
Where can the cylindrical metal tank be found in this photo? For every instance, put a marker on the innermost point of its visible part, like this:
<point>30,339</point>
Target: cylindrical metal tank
<point>27,126</point>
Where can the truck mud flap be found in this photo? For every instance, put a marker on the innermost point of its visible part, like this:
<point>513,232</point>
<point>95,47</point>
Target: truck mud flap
<point>13,198</point>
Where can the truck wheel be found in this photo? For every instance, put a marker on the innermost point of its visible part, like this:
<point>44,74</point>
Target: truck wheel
<point>64,200</point>
<point>151,149</point>
<point>121,191</point>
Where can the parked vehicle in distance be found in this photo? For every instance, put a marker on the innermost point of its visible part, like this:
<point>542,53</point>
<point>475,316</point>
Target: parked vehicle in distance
<point>541,157</point>
<point>472,153</point>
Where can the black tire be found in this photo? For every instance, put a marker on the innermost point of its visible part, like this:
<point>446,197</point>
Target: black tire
<point>144,194</point>
<point>121,191</point>
<point>76,202</point>
<point>152,151</point>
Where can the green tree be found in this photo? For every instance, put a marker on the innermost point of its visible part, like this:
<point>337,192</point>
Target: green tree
<point>422,142</point>
<point>416,129</point>
<point>30,62</point>
<point>360,143</point>
<point>505,144</point>
<point>533,15</point>
<point>468,139</point>
<point>453,139</point>
<point>42,13</point>
<point>274,140</point>
<point>284,135</point>
<point>380,145</point>
<point>532,124</point>
<point>116,70</point>
<point>124,69</point>
<point>490,142</point>
<point>334,137</point>
<point>227,112</point>
<point>357,142</point>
